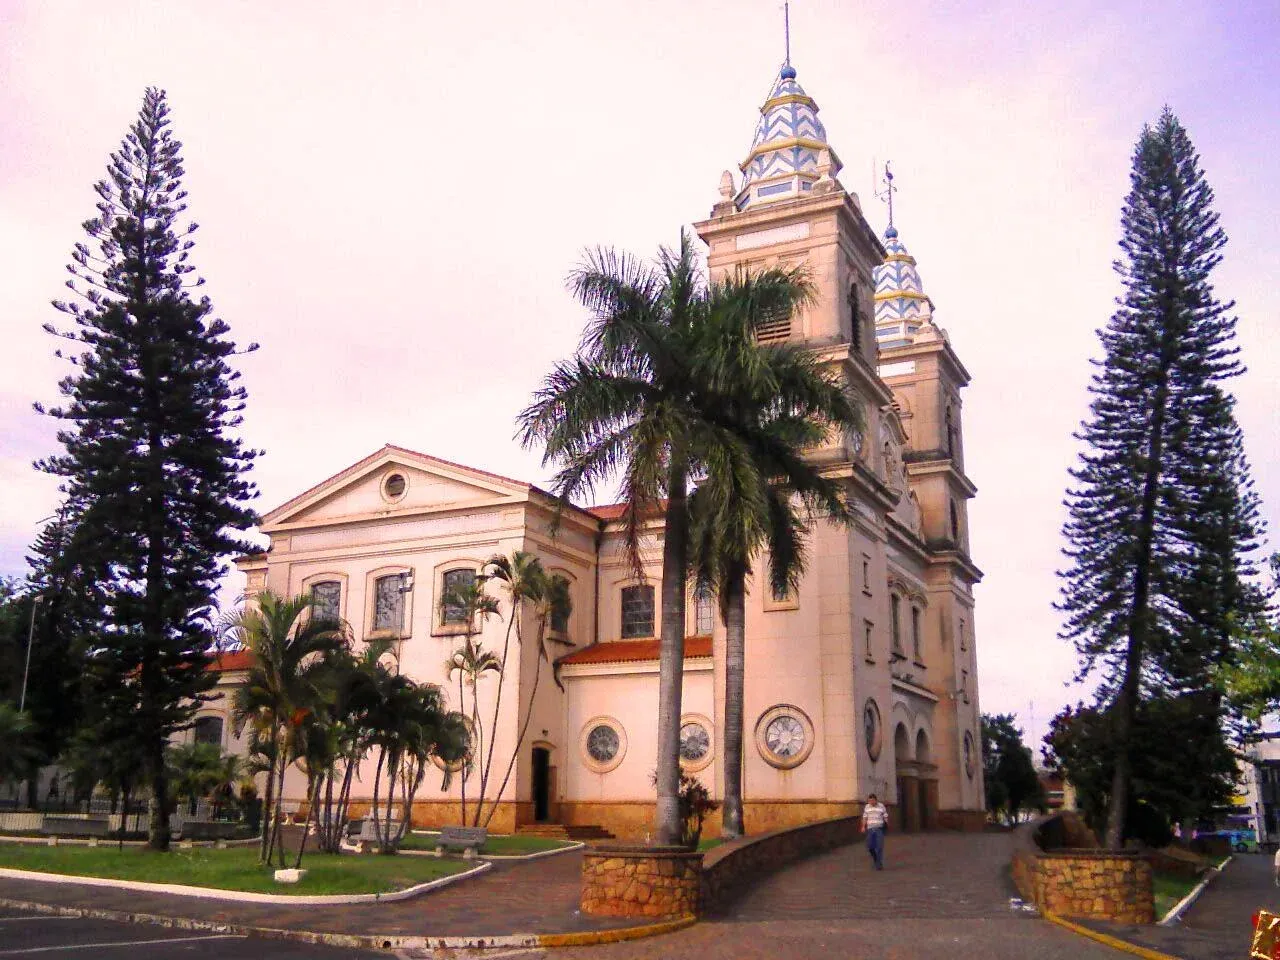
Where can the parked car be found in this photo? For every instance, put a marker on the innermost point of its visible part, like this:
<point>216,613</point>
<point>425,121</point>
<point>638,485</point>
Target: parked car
<point>1242,841</point>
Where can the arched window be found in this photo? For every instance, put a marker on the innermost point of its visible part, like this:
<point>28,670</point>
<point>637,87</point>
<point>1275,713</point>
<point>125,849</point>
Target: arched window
<point>895,623</point>
<point>955,523</point>
<point>704,611</point>
<point>327,598</point>
<point>208,730</point>
<point>452,584</point>
<point>637,611</point>
<point>388,602</point>
<point>855,317</point>
<point>915,633</point>
<point>951,433</point>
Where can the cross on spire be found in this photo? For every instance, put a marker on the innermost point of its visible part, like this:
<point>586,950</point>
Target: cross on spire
<point>889,190</point>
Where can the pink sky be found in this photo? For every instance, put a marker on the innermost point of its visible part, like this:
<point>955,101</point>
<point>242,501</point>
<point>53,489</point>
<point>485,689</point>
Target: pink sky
<point>391,194</point>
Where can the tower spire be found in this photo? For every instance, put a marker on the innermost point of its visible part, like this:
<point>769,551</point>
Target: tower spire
<point>786,28</point>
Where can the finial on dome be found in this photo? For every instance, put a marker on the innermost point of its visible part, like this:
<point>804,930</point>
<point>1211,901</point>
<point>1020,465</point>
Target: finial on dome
<point>891,232</point>
<point>788,72</point>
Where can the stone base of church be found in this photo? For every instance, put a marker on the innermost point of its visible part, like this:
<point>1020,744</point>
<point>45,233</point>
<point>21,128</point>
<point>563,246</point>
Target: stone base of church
<point>634,819</point>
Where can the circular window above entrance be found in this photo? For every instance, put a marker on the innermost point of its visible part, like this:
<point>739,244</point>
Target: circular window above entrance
<point>695,742</point>
<point>394,486</point>
<point>603,743</point>
<point>784,736</point>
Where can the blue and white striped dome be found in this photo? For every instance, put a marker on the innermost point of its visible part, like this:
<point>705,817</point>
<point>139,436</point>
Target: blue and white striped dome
<point>784,157</point>
<point>901,304</point>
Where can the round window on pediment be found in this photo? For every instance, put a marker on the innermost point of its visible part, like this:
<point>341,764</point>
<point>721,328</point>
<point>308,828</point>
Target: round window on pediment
<point>394,487</point>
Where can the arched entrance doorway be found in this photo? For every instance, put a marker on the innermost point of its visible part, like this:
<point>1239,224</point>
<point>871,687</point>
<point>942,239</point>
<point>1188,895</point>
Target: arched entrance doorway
<point>904,770</point>
<point>927,782</point>
<point>541,783</point>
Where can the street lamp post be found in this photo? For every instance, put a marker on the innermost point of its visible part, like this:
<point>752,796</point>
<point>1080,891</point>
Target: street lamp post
<point>26,670</point>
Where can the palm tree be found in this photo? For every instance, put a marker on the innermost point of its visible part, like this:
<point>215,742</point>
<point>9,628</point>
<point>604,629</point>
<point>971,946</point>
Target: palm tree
<point>759,489</point>
<point>471,662</point>
<point>285,683</point>
<point>524,581</point>
<point>647,398</point>
<point>630,404</point>
<point>552,603</point>
<point>409,724</point>
<point>194,771</point>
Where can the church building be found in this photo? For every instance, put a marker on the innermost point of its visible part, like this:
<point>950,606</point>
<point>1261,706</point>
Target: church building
<point>861,681</point>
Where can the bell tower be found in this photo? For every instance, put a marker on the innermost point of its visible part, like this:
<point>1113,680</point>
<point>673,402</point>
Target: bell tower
<point>788,209</point>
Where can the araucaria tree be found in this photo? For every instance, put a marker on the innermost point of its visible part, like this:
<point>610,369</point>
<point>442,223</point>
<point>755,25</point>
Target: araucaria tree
<point>149,455</point>
<point>1162,518</point>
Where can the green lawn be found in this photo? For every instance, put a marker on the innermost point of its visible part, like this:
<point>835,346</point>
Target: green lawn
<point>1169,890</point>
<point>498,845</point>
<point>707,843</point>
<point>235,868</point>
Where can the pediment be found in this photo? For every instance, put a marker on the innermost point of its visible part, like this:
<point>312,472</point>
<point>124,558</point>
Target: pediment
<point>362,491</point>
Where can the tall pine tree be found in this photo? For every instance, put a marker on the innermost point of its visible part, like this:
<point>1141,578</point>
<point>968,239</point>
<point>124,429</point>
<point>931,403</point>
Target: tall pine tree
<point>149,456</point>
<point>1162,517</point>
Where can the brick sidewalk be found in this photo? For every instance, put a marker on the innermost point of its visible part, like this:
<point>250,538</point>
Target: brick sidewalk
<point>537,896</point>
<point>940,895</point>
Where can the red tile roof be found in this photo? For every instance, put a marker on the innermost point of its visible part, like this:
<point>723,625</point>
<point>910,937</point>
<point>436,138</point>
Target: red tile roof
<point>232,660</point>
<point>634,651</point>
<point>613,511</point>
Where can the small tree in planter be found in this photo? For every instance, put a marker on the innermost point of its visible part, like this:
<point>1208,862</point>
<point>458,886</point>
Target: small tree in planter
<point>695,804</point>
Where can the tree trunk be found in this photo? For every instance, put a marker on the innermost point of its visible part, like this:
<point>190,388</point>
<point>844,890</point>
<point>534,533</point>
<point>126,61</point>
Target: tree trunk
<point>1131,687</point>
<point>524,729</point>
<point>159,833</point>
<point>735,662</point>
<point>462,770</point>
<point>268,805</point>
<point>513,623</point>
<point>671,657</point>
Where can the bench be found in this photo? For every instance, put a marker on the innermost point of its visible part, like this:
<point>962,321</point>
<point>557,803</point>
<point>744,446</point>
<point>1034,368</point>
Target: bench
<point>368,835</point>
<point>467,839</point>
<point>75,826</point>
<point>210,830</point>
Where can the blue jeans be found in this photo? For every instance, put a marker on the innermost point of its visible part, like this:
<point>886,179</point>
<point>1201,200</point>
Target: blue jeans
<point>875,846</point>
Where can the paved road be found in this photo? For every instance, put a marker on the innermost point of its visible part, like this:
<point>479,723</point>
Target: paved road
<point>1218,926</point>
<point>40,937</point>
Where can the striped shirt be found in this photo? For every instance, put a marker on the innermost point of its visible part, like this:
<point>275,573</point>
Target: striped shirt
<point>874,815</point>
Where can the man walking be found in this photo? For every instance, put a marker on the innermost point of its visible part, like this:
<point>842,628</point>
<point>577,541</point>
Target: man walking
<point>874,820</point>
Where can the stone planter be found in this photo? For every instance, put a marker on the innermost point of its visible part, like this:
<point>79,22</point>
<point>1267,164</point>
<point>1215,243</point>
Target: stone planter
<point>636,881</point>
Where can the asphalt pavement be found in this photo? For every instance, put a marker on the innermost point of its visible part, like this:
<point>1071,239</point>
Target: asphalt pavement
<point>43,937</point>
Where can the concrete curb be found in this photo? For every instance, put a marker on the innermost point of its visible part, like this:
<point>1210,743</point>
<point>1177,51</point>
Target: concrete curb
<point>1181,907</point>
<point>239,896</point>
<point>365,941</point>
<point>1114,942</point>
<point>503,857</point>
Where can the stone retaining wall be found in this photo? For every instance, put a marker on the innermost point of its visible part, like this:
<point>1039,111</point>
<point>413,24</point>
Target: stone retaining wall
<point>732,868</point>
<point>631,881</point>
<point>1081,881</point>
<point>625,881</point>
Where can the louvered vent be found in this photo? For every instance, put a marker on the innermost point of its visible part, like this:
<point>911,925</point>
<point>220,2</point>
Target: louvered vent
<point>773,332</point>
